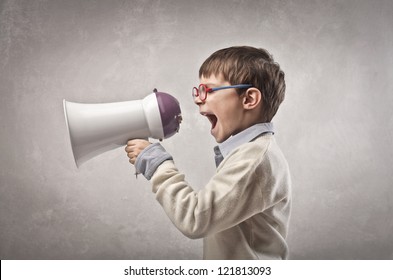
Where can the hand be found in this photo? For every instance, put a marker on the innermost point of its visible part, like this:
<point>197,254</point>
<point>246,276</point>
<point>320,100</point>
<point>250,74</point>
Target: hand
<point>135,147</point>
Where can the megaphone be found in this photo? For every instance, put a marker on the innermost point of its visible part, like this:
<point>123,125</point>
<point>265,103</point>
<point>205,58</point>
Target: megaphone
<point>97,128</point>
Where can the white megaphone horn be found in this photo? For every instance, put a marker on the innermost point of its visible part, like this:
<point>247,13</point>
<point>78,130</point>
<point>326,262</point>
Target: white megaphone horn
<point>97,128</point>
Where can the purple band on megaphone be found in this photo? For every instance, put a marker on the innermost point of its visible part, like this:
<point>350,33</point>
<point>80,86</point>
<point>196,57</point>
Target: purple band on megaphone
<point>170,113</point>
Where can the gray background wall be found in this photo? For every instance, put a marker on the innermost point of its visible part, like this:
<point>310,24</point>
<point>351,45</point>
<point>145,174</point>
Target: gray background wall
<point>335,125</point>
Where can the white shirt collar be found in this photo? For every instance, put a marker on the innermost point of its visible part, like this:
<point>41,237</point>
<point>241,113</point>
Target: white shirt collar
<point>244,136</point>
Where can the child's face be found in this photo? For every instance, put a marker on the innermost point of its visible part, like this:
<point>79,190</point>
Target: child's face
<point>223,108</point>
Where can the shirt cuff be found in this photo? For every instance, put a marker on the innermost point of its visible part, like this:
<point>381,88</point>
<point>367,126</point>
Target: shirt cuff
<point>150,158</point>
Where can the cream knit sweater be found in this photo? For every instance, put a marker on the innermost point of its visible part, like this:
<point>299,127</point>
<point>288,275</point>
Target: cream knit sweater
<point>243,211</point>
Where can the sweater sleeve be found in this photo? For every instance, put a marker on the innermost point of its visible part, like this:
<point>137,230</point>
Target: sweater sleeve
<point>233,194</point>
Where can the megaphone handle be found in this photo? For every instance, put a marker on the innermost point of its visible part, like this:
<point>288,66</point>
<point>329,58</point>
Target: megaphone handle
<point>136,171</point>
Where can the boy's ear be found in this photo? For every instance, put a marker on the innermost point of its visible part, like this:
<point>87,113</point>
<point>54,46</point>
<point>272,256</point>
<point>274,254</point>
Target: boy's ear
<point>252,98</point>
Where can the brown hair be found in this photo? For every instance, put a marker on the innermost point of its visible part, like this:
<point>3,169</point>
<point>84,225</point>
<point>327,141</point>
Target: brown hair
<point>249,65</point>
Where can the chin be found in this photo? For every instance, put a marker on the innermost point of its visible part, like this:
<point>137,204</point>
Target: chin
<point>220,134</point>
<point>220,139</point>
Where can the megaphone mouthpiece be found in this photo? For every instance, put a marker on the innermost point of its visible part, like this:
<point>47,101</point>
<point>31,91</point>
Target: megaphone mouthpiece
<point>170,113</point>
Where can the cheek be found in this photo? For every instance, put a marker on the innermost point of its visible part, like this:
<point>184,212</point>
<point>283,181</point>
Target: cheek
<point>226,105</point>
<point>227,110</point>
<point>229,117</point>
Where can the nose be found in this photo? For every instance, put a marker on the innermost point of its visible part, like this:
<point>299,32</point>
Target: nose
<point>197,100</point>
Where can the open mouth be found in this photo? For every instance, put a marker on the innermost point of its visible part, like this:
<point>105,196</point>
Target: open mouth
<point>212,118</point>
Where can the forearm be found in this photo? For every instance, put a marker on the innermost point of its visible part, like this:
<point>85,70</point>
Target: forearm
<point>224,202</point>
<point>181,203</point>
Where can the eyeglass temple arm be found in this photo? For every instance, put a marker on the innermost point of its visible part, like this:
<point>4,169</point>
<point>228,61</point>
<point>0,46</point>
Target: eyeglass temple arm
<point>235,86</point>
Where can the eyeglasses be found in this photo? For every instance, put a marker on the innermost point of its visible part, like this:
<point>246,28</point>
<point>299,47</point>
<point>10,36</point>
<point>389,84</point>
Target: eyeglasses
<point>202,90</point>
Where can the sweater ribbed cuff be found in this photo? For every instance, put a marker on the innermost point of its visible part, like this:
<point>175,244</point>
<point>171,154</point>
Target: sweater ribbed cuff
<point>150,158</point>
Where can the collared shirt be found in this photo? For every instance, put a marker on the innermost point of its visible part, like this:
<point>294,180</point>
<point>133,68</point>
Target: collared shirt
<point>245,136</point>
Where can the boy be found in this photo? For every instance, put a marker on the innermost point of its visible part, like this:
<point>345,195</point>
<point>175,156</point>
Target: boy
<point>243,211</point>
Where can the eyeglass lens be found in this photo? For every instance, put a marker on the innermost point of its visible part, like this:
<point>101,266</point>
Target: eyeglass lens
<point>199,91</point>
<point>195,92</point>
<point>202,92</point>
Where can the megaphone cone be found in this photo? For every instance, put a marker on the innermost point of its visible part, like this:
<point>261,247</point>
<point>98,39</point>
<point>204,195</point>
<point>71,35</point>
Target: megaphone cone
<point>97,128</point>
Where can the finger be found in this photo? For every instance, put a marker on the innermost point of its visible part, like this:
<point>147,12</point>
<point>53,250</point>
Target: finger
<point>131,146</point>
<point>132,160</point>
<point>131,142</point>
<point>133,155</point>
<point>128,149</point>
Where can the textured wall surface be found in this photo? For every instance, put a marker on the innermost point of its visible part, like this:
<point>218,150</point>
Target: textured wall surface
<point>335,126</point>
